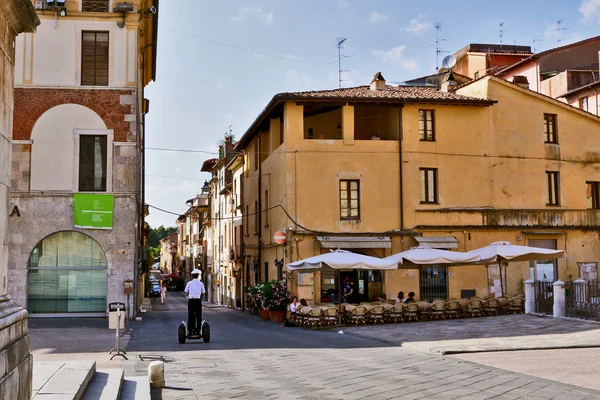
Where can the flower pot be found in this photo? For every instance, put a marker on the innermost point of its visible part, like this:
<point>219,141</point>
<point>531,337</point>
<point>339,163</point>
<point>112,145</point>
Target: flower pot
<point>277,316</point>
<point>264,314</point>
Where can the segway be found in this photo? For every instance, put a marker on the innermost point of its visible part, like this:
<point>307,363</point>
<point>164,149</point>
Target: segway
<point>183,334</point>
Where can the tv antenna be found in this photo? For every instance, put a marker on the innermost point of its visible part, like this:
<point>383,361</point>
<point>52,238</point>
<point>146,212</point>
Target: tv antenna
<point>557,30</point>
<point>340,45</point>
<point>501,31</point>
<point>438,39</point>
<point>535,39</point>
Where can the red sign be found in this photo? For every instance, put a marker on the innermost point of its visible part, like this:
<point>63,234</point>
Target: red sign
<point>280,237</point>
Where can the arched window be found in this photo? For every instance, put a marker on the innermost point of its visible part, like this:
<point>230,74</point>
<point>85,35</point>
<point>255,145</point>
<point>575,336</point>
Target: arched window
<point>67,274</point>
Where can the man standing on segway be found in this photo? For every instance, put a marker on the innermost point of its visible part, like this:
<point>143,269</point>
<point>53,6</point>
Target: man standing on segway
<point>194,291</point>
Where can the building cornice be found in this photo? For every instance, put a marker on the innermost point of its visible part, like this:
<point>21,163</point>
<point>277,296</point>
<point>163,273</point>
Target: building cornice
<point>20,14</point>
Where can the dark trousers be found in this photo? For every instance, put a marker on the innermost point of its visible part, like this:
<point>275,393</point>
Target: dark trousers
<point>194,315</point>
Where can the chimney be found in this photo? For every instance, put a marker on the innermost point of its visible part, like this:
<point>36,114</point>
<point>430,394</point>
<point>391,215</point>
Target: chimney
<point>448,83</point>
<point>378,82</point>
<point>521,81</point>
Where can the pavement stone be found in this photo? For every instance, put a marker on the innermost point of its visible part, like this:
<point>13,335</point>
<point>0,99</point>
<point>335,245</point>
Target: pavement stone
<point>249,358</point>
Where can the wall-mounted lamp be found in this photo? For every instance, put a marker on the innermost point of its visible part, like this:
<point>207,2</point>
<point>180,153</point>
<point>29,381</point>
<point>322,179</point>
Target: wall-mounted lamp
<point>150,10</point>
<point>63,12</point>
<point>206,187</point>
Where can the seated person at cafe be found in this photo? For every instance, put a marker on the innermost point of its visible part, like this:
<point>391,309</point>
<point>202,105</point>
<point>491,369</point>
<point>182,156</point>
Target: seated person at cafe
<point>294,306</point>
<point>400,298</point>
<point>303,303</point>
<point>410,298</point>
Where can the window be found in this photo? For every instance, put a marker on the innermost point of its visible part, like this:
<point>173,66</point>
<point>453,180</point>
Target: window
<point>550,130</point>
<point>552,188</point>
<point>428,177</point>
<point>94,5</point>
<point>426,125</point>
<point>591,195</point>
<point>349,199</point>
<point>266,208</point>
<point>92,163</point>
<point>94,58</point>
<point>583,103</point>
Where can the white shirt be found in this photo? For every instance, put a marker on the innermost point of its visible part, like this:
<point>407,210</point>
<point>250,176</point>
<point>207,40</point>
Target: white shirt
<point>294,307</point>
<point>194,289</point>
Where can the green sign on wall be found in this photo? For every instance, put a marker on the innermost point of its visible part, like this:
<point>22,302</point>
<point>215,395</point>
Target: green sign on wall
<point>93,211</point>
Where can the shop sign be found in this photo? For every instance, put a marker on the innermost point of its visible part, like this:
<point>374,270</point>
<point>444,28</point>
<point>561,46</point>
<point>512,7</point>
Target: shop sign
<point>93,211</point>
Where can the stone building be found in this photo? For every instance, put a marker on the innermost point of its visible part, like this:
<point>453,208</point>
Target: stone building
<point>16,16</point>
<point>77,145</point>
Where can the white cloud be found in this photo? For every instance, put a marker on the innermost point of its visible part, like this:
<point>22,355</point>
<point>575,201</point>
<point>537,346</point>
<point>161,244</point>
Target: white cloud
<point>223,82</point>
<point>343,4</point>
<point>255,12</point>
<point>417,25</point>
<point>377,17</point>
<point>590,9</point>
<point>396,56</point>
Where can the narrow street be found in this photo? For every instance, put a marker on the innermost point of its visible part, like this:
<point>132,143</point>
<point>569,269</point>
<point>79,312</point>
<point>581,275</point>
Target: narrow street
<point>292,363</point>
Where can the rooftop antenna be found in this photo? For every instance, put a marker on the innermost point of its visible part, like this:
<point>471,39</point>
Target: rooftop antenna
<point>557,30</point>
<point>501,31</point>
<point>535,39</point>
<point>340,45</point>
<point>438,39</point>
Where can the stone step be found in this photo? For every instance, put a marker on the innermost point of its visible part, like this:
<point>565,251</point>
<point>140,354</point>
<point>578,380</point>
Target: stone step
<point>105,385</point>
<point>136,388</point>
<point>61,380</point>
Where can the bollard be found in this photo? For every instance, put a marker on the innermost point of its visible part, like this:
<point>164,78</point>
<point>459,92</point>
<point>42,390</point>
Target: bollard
<point>580,291</point>
<point>529,297</point>
<point>559,309</point>
<point>156,374</point>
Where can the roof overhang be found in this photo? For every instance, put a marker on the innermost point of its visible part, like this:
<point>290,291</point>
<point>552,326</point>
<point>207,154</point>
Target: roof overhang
<point>438,242</point>
<point>355,242</point>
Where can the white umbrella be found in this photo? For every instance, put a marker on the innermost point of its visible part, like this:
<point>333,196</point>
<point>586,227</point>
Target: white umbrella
<point>421,255</point>
<point>342,259</point>
<point>501,251</point>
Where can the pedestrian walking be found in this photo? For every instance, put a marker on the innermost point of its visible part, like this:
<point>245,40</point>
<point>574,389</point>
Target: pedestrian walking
<point>163,292</point>
<point>194,291</point>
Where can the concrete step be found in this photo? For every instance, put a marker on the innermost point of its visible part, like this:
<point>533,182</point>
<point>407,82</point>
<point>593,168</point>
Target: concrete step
<point>136,388</point>
<point>105,385</point>
<point>61,380</point>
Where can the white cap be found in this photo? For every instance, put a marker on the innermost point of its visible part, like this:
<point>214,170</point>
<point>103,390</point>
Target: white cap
<point>196,271</point>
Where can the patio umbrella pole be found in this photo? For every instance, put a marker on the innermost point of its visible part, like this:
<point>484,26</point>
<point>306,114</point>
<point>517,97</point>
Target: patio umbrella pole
<point>501,280</point>
<point>339,297</point>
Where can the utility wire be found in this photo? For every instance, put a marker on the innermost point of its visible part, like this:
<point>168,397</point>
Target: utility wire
<point>176,177</point>
<point>181,150</point>
<point>245,48</point>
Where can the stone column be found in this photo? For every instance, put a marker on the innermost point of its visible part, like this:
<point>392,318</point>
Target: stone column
<point>529,297</point>
<point>16,16</point>
<point>580,291</point>
<point>559,309</point>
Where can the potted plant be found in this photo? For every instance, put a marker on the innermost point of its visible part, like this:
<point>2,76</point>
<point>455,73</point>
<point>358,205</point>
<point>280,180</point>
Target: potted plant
<point>253,303</point>
<point>279,299</point>
<point>264,299</point>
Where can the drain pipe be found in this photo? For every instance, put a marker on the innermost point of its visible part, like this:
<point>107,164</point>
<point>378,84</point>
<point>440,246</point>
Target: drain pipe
<point>400,168</point>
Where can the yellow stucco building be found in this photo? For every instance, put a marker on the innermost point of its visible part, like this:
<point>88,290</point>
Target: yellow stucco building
<point>379,169</point>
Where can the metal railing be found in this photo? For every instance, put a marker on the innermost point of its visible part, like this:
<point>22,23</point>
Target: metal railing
<point>544,297</point>
<point>582,299</point>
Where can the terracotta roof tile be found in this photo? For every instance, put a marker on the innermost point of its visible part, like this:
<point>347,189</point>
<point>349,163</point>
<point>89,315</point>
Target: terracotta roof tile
<point>402,93</point>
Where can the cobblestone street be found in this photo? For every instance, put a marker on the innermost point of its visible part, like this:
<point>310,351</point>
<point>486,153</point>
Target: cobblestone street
<point>250,358</point>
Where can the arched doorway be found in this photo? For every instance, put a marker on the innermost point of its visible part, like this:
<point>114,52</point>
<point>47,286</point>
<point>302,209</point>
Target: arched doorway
<point>66,274</point>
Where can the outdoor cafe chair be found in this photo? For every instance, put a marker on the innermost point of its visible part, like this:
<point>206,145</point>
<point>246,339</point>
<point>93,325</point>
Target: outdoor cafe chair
<point>314,318</point>
<point>346,311</point>
<point>301,314</point>
<point>453,309</point>
<point>438,310</point>
<point>396,313</point>
<point>330,316</point>
<point>437,299</point>
<point>357,315</point>
<point>411,311</point>
<point>492,306</point>
<point>424,309</point>
<point>463,305</point>
<point>474,308</point>
<point>375,315</point>
<point>515,305</point>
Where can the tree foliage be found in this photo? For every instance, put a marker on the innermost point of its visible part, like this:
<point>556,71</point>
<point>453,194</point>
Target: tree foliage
<point>159,233</point>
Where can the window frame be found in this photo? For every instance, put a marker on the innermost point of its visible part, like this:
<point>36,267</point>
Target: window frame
<point>595,191</point>
<point>423,134</point>
<point>550,137</point>
<point>424,186</point>
<point>583,101</point>
<point>108,56</point>
<point>553,188</point>
<point>109,133</point>
<point>348,199</point>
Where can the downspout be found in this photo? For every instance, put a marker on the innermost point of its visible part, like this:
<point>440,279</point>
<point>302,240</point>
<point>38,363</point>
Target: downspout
<point>400,169</point>
<point>259,208</point>
<point>241,236</point>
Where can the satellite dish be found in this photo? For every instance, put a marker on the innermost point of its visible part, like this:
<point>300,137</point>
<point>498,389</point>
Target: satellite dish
<point>449,62</point>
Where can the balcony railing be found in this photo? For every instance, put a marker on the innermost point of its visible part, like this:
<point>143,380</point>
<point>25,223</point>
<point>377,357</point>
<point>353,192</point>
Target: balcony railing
<point>94,5</point>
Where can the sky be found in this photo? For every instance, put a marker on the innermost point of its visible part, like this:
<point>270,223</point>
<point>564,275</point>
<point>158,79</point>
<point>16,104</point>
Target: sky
<point>220,62</point>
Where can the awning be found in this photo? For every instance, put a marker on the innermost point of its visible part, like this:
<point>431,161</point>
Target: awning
<point>438,242</point>
<point>355,242</point>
